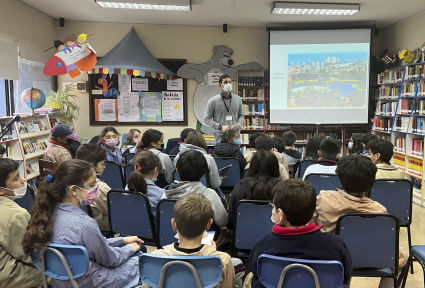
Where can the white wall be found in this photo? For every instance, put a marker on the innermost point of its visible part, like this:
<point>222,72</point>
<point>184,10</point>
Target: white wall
<point>176,42</point>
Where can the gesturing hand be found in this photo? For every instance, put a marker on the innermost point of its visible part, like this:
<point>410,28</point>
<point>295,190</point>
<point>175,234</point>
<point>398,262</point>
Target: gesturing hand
<point>235,127</point>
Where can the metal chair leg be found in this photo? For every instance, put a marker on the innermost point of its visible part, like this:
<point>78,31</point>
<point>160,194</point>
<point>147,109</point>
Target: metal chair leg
<point>409,239</point>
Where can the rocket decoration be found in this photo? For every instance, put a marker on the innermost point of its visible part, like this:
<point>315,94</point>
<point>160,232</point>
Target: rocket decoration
<point>74,56</point>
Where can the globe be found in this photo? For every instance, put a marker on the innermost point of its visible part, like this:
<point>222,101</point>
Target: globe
<point>38,98</point>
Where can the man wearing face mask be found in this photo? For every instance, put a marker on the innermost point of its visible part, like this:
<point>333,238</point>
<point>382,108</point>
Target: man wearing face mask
<point>57,150</point>
<point>224,111</point>
<point>16,268</point>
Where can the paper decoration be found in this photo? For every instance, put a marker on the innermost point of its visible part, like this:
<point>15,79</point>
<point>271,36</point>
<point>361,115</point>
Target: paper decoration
<point>128,110</point>
<point>213,78</point>
<point>107,110</point>
<point>150,105</point>
<point>139,84</point>
<point>172,106</point>
<point>106,88</point>
<point>124,83</point>
<point>175,84</point>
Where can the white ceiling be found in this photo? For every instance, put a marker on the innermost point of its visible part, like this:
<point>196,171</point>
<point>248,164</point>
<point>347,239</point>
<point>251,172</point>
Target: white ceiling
<point>235,13</point>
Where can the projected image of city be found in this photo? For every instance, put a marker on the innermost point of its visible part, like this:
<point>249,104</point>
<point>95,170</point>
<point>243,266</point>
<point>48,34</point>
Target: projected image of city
<point>327,79</point>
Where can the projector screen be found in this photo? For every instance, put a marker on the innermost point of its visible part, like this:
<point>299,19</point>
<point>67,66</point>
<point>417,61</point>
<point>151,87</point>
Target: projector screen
<point>319,76</point>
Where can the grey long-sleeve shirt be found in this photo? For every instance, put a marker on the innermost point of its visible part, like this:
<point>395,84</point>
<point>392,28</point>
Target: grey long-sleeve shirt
<point>216,112</point>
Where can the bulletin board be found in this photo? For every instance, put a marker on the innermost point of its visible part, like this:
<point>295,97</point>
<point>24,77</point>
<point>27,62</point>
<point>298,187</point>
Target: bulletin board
<point>118,99</point>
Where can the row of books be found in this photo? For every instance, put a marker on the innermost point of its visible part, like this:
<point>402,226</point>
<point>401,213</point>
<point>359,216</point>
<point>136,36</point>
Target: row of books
<point>400,144</point>
<point>36,125</point>
<point>392,76</point>
<point>383,136</point>
<point>399,161</point>
<point>303,137</point>
<point>414,71</point>
<point>33,146</point>
<point>250,81</point>
<point>382,124</point>
<point>419,107</point>
<point>253,123</point>
<point>252,94</point>
<point>401,123</point>
<point>421,88</point>
<point>278,126</point>
<point>274,134</point>
<point>32,168</point>
<point>253,109</point>
<point>386,109</point>
<point>415,166</point>
<point>417,125</point>
<point>244,138</point>
<point>408,90</point>
<point>405,106</point>
<point>418,147</point>
<point>389,92</point>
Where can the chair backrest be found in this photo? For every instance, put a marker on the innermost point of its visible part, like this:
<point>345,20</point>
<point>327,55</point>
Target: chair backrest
<point>164,214</point>
<point>124,137</point>
<point>180,271</point>
<point>274,271</point>
<point>203,180</point>
<point>245,173</point>
<point>233,175</point>
<point>395,195</point>
<point>27,201</point>
<point>303,166</point>
<point>112,175</point>
<point>129,213</point>
<point>46,167</point>
<point>291,172</point>
<point>56,259</point>
<point>128,169</point>
<point>171,143</point>
<point>252,221</point>
<point>371,238</point>
<point>323,181</point>
<point>172,157</point>
<point>128,158</point>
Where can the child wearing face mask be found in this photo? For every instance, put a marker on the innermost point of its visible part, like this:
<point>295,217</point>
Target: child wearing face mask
<point>229,147</point>
<point>16,268</point>
<point>57,151</point>
<point>108,140</point>
<point>355,146</point>
<point>133,137</point>
<point>147,168</point>
<point>56,217</point>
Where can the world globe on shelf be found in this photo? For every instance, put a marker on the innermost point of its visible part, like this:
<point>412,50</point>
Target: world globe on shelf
<point>38,98</point>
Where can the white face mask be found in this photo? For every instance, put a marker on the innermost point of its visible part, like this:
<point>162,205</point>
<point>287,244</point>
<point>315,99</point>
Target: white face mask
<point>227,87</point>
<point>19,193</point>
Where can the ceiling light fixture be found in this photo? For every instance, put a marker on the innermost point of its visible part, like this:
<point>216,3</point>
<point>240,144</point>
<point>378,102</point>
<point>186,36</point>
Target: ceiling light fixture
<point>320,9</point>
<point>164,5</point>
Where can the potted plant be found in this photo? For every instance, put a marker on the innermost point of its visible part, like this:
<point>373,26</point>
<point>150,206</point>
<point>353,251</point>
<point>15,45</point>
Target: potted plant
<point>65,102</point>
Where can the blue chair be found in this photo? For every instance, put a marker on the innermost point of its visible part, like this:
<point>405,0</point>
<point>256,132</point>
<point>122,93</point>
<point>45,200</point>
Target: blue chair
<point>379,253</point>
<point>251,222</point>
<point>396,195</point>
<point>323,181</point>
<point>26,202</point>
<point>112,175</point>
<point>233,175</point>
<point>164,214</point>
<point>124,137</point>
<point>128,169</point>
<point>180,271</point>
<point>130,213</point>
<point>61,262</point>
<point>285,272</point>
<point>303,166</point>
<point>204,180</point>
<point>128,158</point>
<point>172,157</point>
<point>417,253</point>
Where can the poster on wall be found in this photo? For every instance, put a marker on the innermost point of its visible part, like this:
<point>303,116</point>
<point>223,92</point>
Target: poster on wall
<point>150,105</point>
<point>106,109</point>
<point>128,110</point>
<point>172,106</point>
<point>124,83</point>
<point>176,84</point>
<point>139,84</point>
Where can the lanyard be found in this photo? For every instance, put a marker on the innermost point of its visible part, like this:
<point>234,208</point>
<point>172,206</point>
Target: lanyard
<point>230,103</point>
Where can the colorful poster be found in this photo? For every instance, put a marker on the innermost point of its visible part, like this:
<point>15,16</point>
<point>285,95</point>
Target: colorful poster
<point>139,84</point>
<point>107,110</point>
<point>124,83</point>
<point>172,106</point>
<point>175,84</point>
<point>150,105</point>
<point>128,110</point>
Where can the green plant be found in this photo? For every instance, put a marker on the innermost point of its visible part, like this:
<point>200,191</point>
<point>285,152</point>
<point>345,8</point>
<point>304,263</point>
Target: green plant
<point>65,101</point>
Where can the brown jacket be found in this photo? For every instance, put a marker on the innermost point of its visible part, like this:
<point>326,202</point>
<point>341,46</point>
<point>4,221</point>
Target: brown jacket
<point>56,153</point>
<point>100,206</point>
<point>388,171</point>
<point>16,268</point>
<point>283,165</point>
<point>228,275</point>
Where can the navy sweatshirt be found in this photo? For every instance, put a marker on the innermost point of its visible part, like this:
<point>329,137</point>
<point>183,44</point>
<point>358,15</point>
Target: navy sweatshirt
<point>303,243</point>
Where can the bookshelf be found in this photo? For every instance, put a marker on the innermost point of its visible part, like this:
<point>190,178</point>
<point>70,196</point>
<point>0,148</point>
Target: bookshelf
<point>253,88</point>
<point>407,121</point>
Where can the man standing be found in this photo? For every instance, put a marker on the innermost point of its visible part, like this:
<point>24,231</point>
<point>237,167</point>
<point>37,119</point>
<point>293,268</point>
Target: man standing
<point>224,111</point>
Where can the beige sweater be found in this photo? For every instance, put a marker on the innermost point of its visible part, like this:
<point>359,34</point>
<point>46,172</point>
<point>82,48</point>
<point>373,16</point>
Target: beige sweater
<point>388,171</point>
<point>283,165</point>
<point>56,153</point>
<point>100,206</point>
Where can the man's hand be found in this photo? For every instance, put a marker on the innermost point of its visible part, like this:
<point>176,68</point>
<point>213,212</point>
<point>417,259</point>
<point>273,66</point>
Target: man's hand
<point>224,127</point>
<point>235,127</point>
<point>135,246</point>
<point>132,239</point>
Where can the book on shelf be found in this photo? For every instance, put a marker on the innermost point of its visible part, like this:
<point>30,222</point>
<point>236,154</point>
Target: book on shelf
<point>418,107</point>
<point>409,89</point>
<point>399,161</point>
<point>414,71</point>
<point>250,81</point>
<point>33,145</point>
<point>421,88</point>
<point>27,126</point>
<point>417,125</point>
<point>392,76</point>
<point>418,147</point>
<point>382,124</point>
<point>253,109</point>
<point>401,123</point>
<point>251,94</point>
<point>386,109</point>
<point>406,106</point>
<point>389,92</point>
<point>47,110</point>
<point>400,144</point>
<point>253,123</point>
<point>415,166</point>
<point>303,137</point>
<point>29,169</point>
<point>278,126</point>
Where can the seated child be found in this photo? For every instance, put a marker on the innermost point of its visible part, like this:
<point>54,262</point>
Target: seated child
<point>96,156</point>
<point>312,148</point>
<point>183,137</point>
<point>356,175</point>
<point>355,146</point>
<point>329,154</point>
<point>365,140</point>
<point>133,138</point>
<point>147,168</point>
<point>381,152</point>
<point>57,151</point>
<point>109,138</point>
<point>293,157</point>
<point>191,166</point>
<point>16,268</point>
<point>56,217</point>
<point>293,205</point>
<point>192,216</point>
<point>229,147</point>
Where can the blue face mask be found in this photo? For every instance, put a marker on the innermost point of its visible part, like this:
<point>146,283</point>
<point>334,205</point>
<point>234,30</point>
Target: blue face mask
<point>237,142</point>
<point>350,145</point>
